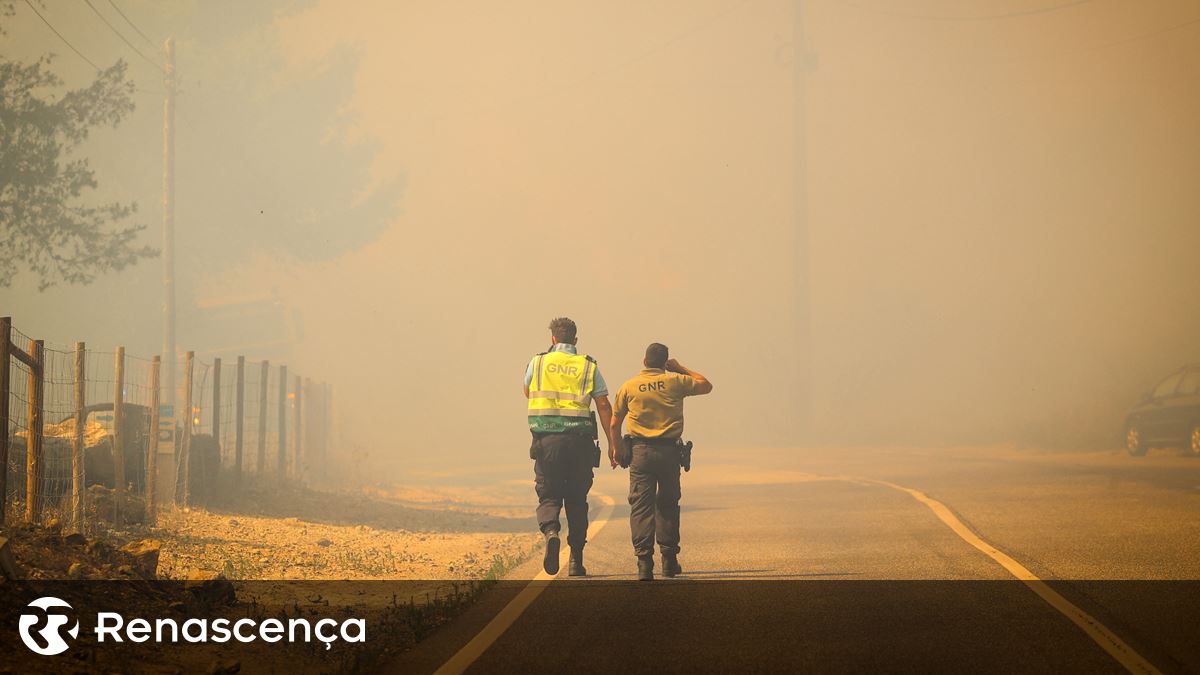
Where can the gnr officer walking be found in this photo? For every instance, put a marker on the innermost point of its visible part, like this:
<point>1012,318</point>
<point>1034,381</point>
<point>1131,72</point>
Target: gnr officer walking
<point>561,385</point>
<point>653,403</point>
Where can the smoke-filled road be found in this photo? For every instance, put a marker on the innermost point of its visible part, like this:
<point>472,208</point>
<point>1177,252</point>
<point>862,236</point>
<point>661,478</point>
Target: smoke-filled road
<point>791,562</point>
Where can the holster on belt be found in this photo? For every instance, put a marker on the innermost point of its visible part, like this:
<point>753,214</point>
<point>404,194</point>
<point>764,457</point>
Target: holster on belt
<point>685,454</point>
<point>625,451</point>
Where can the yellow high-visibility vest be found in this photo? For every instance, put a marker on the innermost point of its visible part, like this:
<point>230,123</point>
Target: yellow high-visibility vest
<point>562,385</point>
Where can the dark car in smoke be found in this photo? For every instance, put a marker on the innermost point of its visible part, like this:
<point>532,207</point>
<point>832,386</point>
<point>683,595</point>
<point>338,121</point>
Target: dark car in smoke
<point>1168,416</point>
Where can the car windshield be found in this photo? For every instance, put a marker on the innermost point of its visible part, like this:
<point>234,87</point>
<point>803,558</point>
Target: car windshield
<point>1191,383</point>
<point>1167,387</point>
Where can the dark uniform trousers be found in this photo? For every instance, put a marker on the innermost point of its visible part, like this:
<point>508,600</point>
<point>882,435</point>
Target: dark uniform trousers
<point>654,498</point>
<point>563,475</point>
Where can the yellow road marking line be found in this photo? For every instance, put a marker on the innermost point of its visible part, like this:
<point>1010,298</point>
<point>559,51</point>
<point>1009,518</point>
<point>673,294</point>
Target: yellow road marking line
<point>507,616</point>
<point>1100,634</point>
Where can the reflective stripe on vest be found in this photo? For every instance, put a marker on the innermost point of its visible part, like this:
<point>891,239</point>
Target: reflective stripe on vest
<point>562,385</point>
<point>558,396</point>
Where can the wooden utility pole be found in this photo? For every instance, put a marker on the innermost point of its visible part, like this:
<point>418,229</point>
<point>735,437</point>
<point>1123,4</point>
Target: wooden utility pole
<point>169,356</point>
<point>5,374</point>
<point>282,468</point>
<point>801,61</point>
<point>169,215</point>
<point>152,441</point>
<point>77,483</point>
<point>264,376</point>
<point>33,443</point>
<point>185,447</point>
<point>239,419</point>
<point>118,436</point>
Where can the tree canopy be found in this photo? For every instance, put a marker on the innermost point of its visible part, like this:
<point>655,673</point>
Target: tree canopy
<point>46,225</point>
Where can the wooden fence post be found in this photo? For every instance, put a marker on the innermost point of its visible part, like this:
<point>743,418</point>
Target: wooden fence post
<point>262,419</point>
<point>77,478</point>
<point>185,448</point>
<point>118,439</point>
<point>33,443</point>
<point>152,441</point>
<point>239,412</point>
<point>282,468</point>
<point>297,430</point>
<point>5,341</point>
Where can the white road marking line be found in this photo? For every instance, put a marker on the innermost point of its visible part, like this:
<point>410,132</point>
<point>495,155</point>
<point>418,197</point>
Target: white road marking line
<point>1100,634</point>
<point>507,616</point>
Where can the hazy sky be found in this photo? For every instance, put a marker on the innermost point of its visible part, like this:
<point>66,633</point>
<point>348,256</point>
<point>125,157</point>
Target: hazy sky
<point>1003,213</point>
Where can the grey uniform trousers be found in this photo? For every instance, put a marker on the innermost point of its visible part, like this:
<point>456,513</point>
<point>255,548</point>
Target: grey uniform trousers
<point>654,498</point>
<point>562,471</point>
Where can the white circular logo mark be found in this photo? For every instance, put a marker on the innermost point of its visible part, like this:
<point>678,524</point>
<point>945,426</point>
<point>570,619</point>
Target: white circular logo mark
<point>48,626</point>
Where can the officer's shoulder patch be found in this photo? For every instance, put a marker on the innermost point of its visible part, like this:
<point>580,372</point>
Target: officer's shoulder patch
<point>541,353</point>
<point>589,358</point>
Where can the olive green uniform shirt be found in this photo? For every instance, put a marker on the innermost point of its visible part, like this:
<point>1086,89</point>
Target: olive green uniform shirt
<point>653,403</point>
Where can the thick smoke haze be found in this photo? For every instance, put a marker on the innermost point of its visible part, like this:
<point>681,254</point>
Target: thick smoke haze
<point>1002,208</point>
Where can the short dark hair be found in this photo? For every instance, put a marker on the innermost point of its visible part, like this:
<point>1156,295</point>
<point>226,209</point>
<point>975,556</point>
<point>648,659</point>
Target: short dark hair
<point>656,355</point>
<point>563,329</point>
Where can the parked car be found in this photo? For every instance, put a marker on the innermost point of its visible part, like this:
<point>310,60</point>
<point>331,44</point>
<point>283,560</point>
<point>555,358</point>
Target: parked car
<point>1168,415</point>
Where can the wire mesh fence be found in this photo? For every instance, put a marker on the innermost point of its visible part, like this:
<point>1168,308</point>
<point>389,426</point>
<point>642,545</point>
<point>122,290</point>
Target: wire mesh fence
<point>84,432</point>
<point>55,473</point>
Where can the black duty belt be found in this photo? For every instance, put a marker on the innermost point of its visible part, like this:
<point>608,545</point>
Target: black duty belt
<point>666,442</point>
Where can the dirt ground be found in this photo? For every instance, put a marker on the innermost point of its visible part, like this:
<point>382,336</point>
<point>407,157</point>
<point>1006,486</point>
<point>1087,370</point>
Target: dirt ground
<point>319,536</point>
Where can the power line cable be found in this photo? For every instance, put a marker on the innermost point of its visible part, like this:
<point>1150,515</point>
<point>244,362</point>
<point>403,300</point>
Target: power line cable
<point>132,24</point>
<point>966,17</point>
<point>60,36</point>
<point>123,38</point>
<point>1151,34</point>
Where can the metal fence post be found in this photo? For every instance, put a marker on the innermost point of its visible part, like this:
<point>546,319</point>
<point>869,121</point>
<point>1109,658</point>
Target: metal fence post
<point>297,431</point>
<point>185,449</point>
<point>327,427</point>
<point>216,403</point>
<point>152,441</point>
<point>262,419</point>
<point>240,411</point>
<point>282,468</point>
<point>77,478</point>
<point>118,438</point>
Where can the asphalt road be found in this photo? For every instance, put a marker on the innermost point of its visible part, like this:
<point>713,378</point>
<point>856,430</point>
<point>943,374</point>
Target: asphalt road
<point>791,563</point>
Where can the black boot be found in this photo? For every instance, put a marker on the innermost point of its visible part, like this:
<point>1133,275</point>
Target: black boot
<point>575,567</point>
<point>671,566</point>
<point>550,561</point>
<point>645,568</point>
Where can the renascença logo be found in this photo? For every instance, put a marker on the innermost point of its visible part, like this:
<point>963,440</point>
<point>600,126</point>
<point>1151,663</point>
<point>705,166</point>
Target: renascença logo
<point>42,631</point>
<point>47,626</point>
